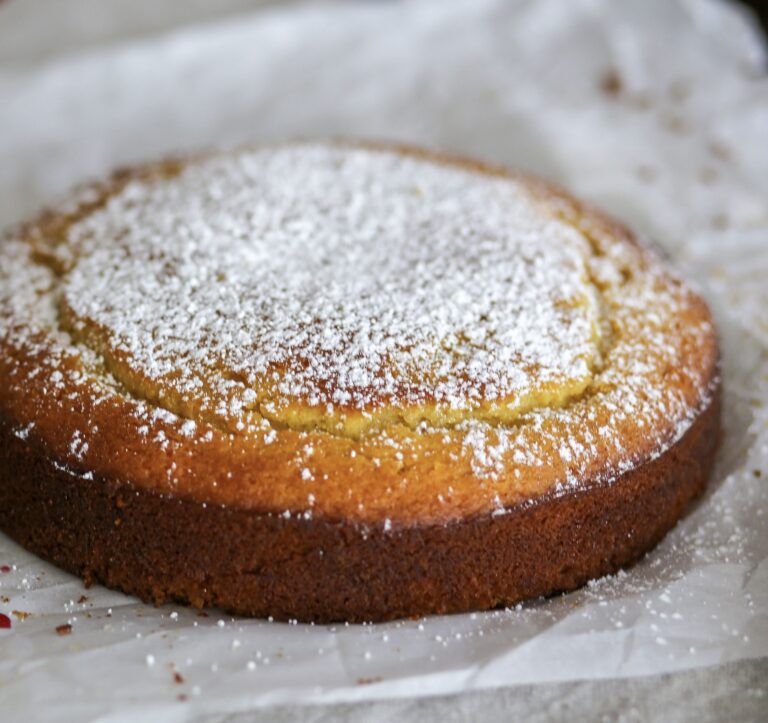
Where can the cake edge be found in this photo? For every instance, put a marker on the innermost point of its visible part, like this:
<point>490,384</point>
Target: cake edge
<point>163,549</point>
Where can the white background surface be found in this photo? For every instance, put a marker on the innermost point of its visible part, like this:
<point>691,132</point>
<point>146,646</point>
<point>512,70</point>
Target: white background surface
<point>677,148</point>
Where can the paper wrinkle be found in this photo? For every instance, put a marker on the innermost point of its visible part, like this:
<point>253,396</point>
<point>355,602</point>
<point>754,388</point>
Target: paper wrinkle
<point>676,149</point>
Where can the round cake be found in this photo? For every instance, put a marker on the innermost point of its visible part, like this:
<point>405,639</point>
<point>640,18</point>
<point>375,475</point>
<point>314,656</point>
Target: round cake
<point>331,382</point>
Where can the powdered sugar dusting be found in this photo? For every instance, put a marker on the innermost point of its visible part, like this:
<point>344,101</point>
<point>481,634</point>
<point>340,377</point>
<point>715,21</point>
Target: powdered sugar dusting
<point>362,292</point>
<point>333,277</point>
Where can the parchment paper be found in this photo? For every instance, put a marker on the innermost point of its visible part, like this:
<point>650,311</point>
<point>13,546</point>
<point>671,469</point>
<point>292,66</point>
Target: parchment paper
<point>656,110</point>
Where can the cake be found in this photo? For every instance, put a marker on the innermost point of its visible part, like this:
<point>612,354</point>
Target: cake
<point>327,381</point>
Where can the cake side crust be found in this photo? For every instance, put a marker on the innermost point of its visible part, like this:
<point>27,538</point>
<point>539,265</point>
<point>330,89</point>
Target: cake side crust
<point>162,548</point>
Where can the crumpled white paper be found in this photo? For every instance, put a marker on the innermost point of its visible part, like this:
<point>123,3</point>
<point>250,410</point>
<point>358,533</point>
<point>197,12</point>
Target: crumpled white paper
<point>655,110</point>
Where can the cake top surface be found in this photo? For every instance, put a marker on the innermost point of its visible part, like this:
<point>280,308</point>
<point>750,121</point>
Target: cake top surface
<point>340,295</point>
<point>320,286</point>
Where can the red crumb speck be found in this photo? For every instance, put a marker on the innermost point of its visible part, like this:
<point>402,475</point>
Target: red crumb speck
<point>5,621</point>
<point>369,681</point>
<point>64,629</point>
<point>5,568</point>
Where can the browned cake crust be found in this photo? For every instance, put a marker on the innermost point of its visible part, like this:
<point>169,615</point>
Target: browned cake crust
<point>327,512</point>
<point>162,548</point>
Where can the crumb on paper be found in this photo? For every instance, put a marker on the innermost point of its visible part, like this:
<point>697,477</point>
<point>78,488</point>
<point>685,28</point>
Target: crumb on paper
<point>611,83</point>
<point>369,681</point>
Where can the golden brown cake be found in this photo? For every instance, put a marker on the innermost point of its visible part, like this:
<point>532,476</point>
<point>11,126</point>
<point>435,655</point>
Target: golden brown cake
<point>338,382</point>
